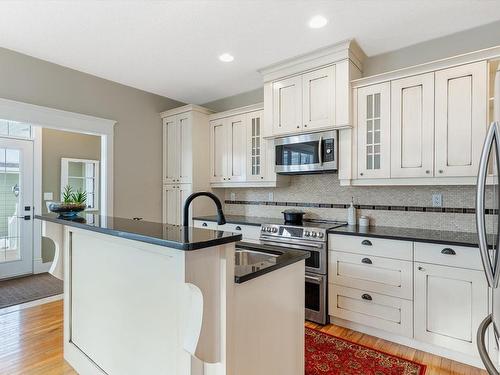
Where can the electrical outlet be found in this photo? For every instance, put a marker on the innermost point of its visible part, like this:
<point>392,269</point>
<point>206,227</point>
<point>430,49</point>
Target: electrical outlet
<point>270,196</point>
<point>233,196</point>
<point>437,200</point>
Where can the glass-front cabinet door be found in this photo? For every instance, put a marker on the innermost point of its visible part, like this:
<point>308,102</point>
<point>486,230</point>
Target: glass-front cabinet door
<point>373,111</point>
<point>256,150</point>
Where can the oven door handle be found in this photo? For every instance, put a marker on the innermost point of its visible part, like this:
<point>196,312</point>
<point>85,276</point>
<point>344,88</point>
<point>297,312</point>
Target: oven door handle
<point>320,150</point>
<point>294,245</point>
<point>313,278</point>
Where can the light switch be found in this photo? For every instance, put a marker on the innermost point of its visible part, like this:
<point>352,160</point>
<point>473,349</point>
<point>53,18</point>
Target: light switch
<point>48,196</point>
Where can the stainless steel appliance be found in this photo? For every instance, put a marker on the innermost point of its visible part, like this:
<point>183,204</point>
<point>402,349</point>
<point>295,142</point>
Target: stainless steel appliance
<point>312,237</point>
<point>489,244</point>
<point>306,153</point>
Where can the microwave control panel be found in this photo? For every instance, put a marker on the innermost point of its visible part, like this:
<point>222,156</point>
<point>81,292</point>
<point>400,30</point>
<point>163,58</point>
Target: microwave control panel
<point>329,150</point>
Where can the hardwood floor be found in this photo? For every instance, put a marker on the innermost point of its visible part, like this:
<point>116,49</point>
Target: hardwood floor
<point>435,364</point>
<point>31,343</point>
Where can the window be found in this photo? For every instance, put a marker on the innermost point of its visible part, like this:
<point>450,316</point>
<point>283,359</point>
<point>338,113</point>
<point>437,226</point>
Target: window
<point>15,129</point>
<point>82,175</point>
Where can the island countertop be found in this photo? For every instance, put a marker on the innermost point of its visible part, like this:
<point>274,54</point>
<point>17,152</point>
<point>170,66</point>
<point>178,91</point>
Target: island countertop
<point>173,236</point>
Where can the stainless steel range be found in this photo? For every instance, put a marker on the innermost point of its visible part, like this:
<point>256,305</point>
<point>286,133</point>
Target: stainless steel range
<point>309,236</point>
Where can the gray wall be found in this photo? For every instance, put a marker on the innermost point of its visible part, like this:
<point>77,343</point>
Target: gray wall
<point>236,101</point>
<point>138,140</point>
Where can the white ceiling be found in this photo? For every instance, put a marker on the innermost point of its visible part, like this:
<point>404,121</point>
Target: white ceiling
<point>171,47</point>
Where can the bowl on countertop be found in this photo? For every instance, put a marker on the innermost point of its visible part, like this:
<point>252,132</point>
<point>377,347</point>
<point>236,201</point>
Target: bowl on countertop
<point>66,209</point>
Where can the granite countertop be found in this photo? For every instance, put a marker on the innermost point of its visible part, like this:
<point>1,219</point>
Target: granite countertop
<point>243,220</point>
<point>278,258</point>
<point>177,237</point>
<point>411,234</point>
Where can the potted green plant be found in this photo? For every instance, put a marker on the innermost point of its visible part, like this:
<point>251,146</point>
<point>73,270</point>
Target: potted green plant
<point>72,203</point>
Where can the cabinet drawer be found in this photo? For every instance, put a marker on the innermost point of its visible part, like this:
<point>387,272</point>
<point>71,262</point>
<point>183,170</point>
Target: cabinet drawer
<point>371,246</point>
<point>250,232</point>
<point>392,277</point>
<point>453,256</point>
<point>205,224</point>
<point>371,309</point>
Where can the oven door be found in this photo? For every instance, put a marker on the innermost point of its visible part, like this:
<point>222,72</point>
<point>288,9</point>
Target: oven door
<point>307,153</point>
<point>315,298</point>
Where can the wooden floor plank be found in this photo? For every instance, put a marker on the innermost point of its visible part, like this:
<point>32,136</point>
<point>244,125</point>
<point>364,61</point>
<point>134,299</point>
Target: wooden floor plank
<point>31,343</point>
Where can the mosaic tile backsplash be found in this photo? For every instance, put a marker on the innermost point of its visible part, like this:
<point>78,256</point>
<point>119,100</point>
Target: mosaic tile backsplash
<point>399,206</point>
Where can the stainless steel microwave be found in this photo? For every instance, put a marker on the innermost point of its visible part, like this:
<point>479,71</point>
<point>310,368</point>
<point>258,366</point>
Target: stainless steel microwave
<point>306,153</point>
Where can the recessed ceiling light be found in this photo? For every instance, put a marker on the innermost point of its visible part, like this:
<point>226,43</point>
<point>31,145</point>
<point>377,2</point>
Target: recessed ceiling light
<point>226,57</point>
<point>317,22</point>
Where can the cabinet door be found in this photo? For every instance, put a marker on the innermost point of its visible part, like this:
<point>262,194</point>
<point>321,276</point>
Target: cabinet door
<point>287,105</point>
<point>460,119</point>
<point>412,126</point>
<point>171,204</point>
<point>171,149</point>
<point>449,305</point>
<point>237,136</point>
<point>218,151</point>
<point>318,93</point>
<point>374,131</point>
<point>184,147</point>
<point>184,190</point>
<point>256,149</point>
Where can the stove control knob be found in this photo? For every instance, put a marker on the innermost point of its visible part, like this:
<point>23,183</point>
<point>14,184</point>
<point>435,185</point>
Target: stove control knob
<point>307,233</point>
<point>268,229</point>
<point>263,229</point>
<point>321,235</point>
<point>274,230</point>
<point>314,234</point>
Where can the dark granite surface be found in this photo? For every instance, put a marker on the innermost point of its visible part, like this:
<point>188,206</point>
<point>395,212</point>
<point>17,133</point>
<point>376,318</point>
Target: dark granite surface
<point>177,237</point>
<point>411,234</point>
<point>243,220</point>
<point>281,258</point>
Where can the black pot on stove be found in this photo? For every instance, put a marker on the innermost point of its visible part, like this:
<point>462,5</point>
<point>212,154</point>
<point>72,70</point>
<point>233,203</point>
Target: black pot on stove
<point>293,216</point>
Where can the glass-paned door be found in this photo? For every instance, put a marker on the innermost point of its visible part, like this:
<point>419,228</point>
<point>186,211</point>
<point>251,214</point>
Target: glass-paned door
<point>16,207</point>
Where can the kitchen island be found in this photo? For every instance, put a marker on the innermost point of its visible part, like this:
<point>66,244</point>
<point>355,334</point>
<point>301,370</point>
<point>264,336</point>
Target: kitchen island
<point>143,297</point>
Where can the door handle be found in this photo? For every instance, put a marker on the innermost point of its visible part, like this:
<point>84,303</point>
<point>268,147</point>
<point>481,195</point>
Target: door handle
<point>448,251</point>
<point>25,217</point>
<point>481,347</point>
<point>320,150</point>
<point>366,297</point>
<point>238,227</point>
<point>204,224</point>
<point>366,243</point>
<point>366,261</point>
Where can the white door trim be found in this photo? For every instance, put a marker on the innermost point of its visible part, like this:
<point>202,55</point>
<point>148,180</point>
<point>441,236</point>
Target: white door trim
<point>52,118</point>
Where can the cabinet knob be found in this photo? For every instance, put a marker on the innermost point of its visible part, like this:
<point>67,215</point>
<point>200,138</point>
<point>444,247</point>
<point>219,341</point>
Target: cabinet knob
<point>440,171</point>
<point>421,268</point>
<point>448,251</point>
<point>366,261</point>
<point>427,171</point>
<point>261,177</point>
<point>361,174</point>
<point>224,178</point>
<point>305,125</point>
<point>229,178</point>
<point>366,297</point>
<point>298,127</point>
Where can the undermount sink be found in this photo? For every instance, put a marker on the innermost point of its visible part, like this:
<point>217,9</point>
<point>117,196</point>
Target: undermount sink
<point>256,259</point>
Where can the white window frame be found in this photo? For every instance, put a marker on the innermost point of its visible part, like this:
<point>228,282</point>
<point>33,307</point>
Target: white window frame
<point>65,178</point>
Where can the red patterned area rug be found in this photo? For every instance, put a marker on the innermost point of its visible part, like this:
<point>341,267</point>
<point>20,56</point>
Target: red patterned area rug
<point>330,355</point>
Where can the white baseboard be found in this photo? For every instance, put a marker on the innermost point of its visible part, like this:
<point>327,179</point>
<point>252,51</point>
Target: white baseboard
<point>40,267</point>
<point>412,343</point>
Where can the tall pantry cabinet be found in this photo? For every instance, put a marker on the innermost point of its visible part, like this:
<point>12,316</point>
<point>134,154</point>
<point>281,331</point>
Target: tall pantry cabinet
<point>185,163</point>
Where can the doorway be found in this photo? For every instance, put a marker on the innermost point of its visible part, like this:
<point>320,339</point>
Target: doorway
<point>16,205</point>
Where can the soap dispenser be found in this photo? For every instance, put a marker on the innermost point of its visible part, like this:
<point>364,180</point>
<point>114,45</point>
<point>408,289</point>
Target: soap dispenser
<point>351,213</point>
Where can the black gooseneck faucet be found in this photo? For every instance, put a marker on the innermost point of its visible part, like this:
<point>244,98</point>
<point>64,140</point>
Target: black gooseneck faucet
<point>221,220</point>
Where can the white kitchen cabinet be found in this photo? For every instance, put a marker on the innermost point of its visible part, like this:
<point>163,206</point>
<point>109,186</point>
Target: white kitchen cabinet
<point>287,105</point>
<point>185,164</point>
<point>174,197</point>
<point>461,114</point>
<point>239,155</point>
<point>449,305</point>
<point>256,147</point>
<point>373,114</point>
<point>412,126</point>
<point>237,147</point>
<point>177,154</point>
<point>248,232</point>
<point>318,98</point>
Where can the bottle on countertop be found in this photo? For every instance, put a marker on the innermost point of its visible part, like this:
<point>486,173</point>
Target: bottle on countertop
<point>351,213</point>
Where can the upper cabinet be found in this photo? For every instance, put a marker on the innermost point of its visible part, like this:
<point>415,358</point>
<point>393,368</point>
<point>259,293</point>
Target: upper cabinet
<point>425,128</point>
<point>373,131</point>
<point>312,92</point>
<point>239,155</point>
<point>177,156</point>
<point>461,118</point>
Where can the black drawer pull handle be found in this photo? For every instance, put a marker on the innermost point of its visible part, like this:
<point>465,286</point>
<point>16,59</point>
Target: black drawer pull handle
<point>204,225</point>
<point>238,227</point>
<point>366,261</point>
<point>448,251</point>
<point>366,243</point>
<point>366,297</point>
